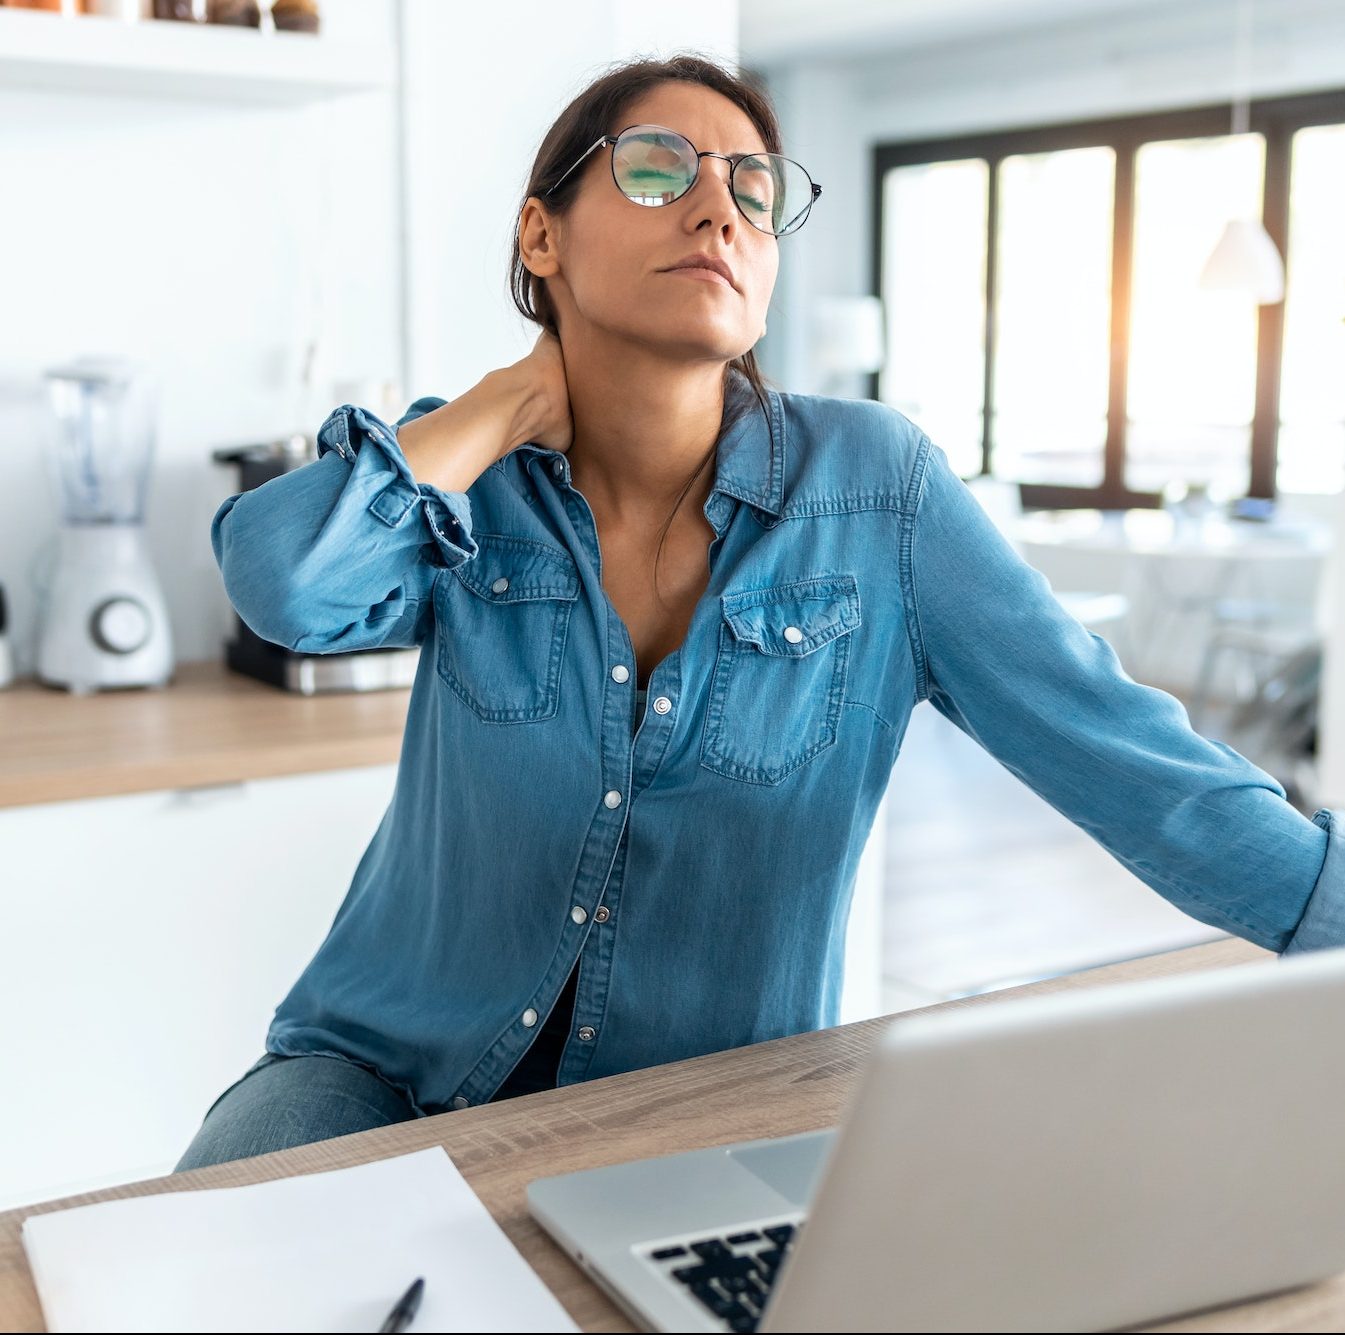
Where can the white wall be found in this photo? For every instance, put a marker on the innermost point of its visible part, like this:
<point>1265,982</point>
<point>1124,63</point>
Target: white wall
<point>212,240</point>
<point>481,93</point>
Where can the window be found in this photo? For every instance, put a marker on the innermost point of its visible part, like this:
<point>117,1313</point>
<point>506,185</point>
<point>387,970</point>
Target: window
<point>934,302</point>
<point>1052,316</point>
<point>1055,272</point>
<point>1312,381</point>
<point>1192,352</point>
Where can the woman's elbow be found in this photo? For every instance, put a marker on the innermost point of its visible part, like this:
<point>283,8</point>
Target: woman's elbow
<point>261,599</point>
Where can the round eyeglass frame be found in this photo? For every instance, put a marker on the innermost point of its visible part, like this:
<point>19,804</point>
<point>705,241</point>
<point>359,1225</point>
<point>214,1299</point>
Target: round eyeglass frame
<point>734,160</point>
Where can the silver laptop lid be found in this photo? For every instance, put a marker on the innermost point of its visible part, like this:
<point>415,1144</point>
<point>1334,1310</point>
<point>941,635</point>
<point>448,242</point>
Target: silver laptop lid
<point>1085,1160</point>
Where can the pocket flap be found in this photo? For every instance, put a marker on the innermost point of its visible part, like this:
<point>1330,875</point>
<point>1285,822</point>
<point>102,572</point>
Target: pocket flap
<point>515,570</point>
<point>791,620</point>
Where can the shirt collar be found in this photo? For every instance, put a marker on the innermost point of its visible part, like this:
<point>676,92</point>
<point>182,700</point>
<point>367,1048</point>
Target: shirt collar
<point>750,459</point>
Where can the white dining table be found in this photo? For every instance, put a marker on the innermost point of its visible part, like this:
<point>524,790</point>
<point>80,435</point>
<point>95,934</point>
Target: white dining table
<point>1172,563</point>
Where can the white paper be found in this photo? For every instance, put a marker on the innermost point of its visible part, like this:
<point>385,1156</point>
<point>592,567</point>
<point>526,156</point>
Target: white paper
<point>323,1252</point>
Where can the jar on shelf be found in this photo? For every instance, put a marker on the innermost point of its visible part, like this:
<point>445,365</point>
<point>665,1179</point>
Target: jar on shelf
<point>295,15</point>
<point>130,11</point>
<point>183,11</point>
<point>239,13</point>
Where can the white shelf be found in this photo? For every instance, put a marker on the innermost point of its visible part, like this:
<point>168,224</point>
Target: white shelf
<point>202,62</point>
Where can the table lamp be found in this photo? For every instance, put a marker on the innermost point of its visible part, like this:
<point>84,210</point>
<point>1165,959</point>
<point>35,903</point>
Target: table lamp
<point>847,339</point>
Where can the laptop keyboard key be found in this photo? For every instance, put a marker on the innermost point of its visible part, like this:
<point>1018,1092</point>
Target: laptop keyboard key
<point>780,1234</point>
<point>710,1249</point>
<point>750,1236</point>
<point>666,1253</point>
<point>693,1274</point>
<point>715,1301</point>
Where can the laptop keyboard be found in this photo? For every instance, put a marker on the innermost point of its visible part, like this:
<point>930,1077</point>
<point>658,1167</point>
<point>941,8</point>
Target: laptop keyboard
<point>729,1274</point>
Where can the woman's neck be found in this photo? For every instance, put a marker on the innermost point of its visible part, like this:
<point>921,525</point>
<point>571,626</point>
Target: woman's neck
<point>642,426</point>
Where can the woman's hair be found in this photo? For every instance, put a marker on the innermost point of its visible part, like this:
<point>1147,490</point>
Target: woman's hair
<point>597,111</point>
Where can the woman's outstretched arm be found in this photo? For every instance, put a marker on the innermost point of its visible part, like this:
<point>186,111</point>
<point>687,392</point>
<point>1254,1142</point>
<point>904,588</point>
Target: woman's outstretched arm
<point>997,655</point>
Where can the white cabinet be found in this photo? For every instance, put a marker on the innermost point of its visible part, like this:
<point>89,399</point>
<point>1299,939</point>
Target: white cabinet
<point>144,943</point>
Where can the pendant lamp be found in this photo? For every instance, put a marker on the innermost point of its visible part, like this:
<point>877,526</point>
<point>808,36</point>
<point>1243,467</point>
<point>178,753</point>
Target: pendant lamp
<point>1244,259</point>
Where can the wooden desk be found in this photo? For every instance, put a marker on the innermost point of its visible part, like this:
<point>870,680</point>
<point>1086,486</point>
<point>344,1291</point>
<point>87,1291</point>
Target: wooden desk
<point>769,1089</point>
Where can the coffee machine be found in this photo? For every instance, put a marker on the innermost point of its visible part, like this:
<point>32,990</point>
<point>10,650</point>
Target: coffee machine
<point>307,674</point>
<point>104,622</point>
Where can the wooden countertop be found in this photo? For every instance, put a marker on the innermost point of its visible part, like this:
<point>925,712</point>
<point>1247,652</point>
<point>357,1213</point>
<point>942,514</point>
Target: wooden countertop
<point>769,1089</point>
<point>208,726</point>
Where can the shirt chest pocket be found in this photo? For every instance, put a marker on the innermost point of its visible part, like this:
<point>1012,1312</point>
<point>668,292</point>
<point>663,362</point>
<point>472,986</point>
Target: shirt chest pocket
<point>779,678</point>
<point>503,623</point>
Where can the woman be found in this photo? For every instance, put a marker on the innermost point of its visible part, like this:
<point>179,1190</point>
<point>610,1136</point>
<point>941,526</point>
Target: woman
<point>568,884</point>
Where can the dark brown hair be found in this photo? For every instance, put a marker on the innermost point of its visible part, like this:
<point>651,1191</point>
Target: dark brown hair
<point>596,111</point>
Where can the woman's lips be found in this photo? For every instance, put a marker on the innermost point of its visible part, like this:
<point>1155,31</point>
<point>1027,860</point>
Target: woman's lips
<point>705,275</point>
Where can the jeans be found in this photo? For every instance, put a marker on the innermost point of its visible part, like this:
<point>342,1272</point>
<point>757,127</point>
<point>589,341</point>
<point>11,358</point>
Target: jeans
<point>280,1102</point>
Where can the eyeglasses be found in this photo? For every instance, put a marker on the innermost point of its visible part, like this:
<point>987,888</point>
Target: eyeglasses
<point>653,166</point>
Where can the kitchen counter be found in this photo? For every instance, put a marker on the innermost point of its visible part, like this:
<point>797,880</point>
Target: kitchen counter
<point>208,726</point>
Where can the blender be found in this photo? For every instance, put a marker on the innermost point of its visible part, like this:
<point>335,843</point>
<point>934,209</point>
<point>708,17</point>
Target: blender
<point>104,623</point>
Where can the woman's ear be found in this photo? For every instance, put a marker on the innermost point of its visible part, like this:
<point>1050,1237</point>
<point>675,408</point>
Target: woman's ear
<point>537,239</point>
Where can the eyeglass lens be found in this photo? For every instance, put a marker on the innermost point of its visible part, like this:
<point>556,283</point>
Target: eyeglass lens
<point>653,166</point>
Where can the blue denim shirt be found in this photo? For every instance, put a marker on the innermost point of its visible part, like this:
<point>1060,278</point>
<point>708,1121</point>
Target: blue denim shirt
<point>698,861</point>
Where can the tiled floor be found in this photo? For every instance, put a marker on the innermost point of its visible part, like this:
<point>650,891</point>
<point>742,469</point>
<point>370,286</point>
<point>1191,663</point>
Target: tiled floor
<point>988,886</point>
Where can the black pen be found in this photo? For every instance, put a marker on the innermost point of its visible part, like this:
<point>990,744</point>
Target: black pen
<point>407,1305</point>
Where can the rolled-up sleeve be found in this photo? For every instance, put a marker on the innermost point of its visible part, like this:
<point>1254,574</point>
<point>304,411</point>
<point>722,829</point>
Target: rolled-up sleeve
<point>1323,921</point>
<point>998,655</point>
<point>343,552</point>
<point>448,514</point>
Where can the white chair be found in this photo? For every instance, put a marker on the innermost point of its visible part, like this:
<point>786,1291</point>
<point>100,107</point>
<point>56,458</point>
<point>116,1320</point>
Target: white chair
<point>1003,503</point>
<point>1259,636</point>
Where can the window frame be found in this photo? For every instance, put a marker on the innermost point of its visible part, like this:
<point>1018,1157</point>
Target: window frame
<point>1276,119</point>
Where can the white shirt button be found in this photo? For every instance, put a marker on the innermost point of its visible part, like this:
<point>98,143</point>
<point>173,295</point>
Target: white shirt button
<point>662,705</point>
<point>459,1102</point>
<point>793,634</point>
<point>621,672</point>
<point>502,584</point>
<point>557,467</point>
<point>579,913</point>
<point>586,1032</point>
<point>601,913</point>
<point>612,799</point>
<point>530,1017</point>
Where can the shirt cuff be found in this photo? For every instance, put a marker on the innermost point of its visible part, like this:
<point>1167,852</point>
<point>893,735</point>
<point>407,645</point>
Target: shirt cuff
<point>448,514</point>
<point>1323,922</point>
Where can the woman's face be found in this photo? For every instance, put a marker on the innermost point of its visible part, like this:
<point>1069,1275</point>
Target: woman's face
<point>607,262</point>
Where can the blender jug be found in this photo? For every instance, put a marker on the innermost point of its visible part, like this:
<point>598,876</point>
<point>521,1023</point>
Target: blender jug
<point>105,623</point>
<point>103,443</point>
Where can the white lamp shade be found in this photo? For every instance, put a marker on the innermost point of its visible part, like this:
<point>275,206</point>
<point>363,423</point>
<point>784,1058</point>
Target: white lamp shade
<point>848,334</point>
<point>1246,260</point>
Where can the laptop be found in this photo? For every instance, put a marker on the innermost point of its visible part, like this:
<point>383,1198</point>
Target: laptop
<point>1078,1161</point>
